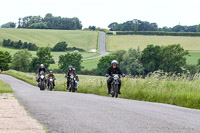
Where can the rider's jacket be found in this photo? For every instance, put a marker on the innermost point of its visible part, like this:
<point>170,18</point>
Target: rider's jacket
<point>112,70</point>
<point>51,75</point>
<point>71,72</point>
<point>41,69</point>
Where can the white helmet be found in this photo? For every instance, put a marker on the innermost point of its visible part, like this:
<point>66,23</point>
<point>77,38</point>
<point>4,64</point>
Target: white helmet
<point>114,62</point>
<point>41,65</point>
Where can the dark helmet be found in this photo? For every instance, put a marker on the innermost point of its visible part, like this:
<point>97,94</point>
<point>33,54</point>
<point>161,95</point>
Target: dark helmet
<point>114,62</point>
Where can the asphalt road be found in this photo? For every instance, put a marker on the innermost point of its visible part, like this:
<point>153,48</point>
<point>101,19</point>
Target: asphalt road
<point>64,112</point>
<point>102,46</point>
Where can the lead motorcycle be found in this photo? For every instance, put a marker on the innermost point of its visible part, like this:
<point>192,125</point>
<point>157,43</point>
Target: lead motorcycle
<point>72,83</point>
<point>115,85</point>
<point>42,81</point>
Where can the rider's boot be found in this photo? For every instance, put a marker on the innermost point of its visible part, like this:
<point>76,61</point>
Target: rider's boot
<point>108,91</point>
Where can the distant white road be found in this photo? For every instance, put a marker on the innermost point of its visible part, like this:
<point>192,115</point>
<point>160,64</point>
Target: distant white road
<point>102,46</point>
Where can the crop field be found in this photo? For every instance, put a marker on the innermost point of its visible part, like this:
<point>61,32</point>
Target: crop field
<point>125,42</point>
<point>86,40</point>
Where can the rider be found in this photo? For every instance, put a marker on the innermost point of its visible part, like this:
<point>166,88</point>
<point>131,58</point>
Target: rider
<point>51,75</point>
<point>71,70</point>
<point>40,69</point>
<point>113,70</point>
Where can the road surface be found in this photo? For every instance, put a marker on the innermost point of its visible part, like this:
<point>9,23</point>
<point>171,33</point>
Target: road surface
<point>64,112</point>
<point>102,46</point>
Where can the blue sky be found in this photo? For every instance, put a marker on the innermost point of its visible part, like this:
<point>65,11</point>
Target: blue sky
<point>103,12</point>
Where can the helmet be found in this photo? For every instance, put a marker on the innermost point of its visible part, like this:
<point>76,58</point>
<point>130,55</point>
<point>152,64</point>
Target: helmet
<point>70,66</point>
<point>41,65</point>
<point>51,71</point>
<point>114,62</point>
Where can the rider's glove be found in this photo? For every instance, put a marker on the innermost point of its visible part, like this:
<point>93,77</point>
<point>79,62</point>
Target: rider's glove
<point>107,75</point>
<point>123,75</point>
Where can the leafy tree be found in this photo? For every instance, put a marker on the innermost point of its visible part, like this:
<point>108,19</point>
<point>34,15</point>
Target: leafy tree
<point>5,59</point>
<point>61,46</point>
<point>131,63</point>
<point>21,61</point>
<point>119,55</point>
<point>35,64</point>
<point>173,58</point>
<point>44,56</point>
<point>49,22</point>
<point>73,59</point>
<point>9,25</point>
<point>92,27</point>
<point>112,25</point>
<point>151,58</point>
<point>104,63</point>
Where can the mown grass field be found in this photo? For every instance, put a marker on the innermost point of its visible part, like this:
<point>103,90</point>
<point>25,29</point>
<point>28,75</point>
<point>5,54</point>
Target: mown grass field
<point>82,39</point>
<point>176,90</point>
<point>193,58</point>
<point>125,42</point>
<point>5,88</point>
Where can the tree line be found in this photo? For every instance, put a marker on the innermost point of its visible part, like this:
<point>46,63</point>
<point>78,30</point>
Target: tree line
<point>169,59</point>
<point>48,22</point>
<point>60,46</point>
<point>19,45</point>
<point>158,33</point>
<point>139,25</point>
<point>23,60</point>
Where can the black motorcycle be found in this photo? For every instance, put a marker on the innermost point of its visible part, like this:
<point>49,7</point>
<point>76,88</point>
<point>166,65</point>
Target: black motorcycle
<point>72,80</point>
<point>115,85</point>
<point>51,80</point>
<point>42,81</point>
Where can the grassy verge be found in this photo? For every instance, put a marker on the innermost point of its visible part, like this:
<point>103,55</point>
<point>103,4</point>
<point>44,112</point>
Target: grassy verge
<point>5,88</point>
<point>175,90</point>
<point>22,76</point>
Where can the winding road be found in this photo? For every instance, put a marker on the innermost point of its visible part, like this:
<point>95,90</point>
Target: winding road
<point>102,46</point>
<point>64,112</point>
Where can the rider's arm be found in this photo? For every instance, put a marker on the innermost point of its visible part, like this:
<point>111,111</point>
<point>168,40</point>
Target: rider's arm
<point>108,71</point>
<point>37,71</point>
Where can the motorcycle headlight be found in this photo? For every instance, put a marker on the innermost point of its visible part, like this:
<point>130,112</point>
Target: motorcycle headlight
<point>42,76</point>
<point>116,77</point>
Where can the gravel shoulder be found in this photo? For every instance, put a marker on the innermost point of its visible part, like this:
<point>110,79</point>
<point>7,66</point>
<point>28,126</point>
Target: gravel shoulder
<point>14,118</point>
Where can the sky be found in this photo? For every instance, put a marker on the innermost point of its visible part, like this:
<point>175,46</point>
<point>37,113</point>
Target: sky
<point>103,12</point>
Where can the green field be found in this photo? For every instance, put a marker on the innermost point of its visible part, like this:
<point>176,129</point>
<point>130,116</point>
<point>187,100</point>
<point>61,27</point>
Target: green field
<point>193,58</point>
<point>5,88</point>
<point>55,54</point>
<point>125,42</point>
<point>81,39</point>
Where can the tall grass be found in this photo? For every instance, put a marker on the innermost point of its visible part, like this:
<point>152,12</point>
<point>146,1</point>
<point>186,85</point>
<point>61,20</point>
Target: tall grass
<point>181,90</point>
<point>5,88</point>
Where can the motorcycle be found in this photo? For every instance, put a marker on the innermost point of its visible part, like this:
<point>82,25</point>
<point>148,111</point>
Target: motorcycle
<point>42,81</point>
<point>72,82</point>
<point>115,85</point>
<point>51,80</point>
